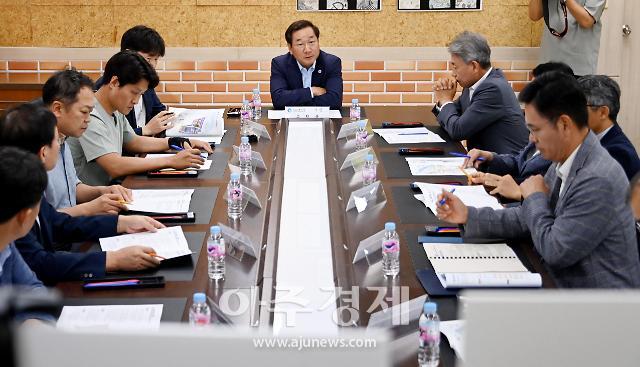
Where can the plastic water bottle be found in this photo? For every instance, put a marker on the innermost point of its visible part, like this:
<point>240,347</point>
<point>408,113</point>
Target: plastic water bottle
<point>369,170</point>
<point>245,118</point>
<point>215,253</point>
<point>429,342</point>
<point>200,313</point>
<point>354,111</point>
<point>257,104</point>
<point>390,251</point>
<point>361,135</point>
<point>244,155</point>
<point>234,200</point>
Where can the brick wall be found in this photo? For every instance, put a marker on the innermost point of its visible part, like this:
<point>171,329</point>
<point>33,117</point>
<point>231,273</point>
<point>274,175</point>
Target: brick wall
<point>221,83</point>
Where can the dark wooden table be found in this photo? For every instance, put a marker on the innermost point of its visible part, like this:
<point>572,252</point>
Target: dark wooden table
<point>254,279</point>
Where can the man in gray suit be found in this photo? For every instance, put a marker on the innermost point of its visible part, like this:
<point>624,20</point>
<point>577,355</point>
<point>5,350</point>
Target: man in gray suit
<point>487,114</point>
<point>577,214</point>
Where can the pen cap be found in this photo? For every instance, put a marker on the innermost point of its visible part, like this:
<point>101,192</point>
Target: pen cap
<point>215,230</point>
<point>429,307</point>
<point>369,158</point>
<point>354,101</point>
<point>199,298</point>
<point>244,140</point>
<point>390,226</point>
<point>235,176</point>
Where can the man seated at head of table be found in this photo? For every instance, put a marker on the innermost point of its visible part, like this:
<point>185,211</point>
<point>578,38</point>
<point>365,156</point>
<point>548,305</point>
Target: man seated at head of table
<point>577,214</point>
<point>503,173</point>
<point>306,76</point>
<point>97,154</point>
<point>69,95</point>
<point>487,114</point>
<point>46,248</point>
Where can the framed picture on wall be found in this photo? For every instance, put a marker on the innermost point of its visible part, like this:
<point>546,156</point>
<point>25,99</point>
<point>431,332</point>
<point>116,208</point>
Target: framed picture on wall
<point>339,5</point>
<point>439,5</point>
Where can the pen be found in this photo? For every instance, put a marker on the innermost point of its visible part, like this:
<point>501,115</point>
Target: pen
<point>113,283</point>
<point>456,154</point>
<point>443,200</point>
<point>175,147</point>
<point>414,133</point>
<point>121,201</point>
<point>156,255</point>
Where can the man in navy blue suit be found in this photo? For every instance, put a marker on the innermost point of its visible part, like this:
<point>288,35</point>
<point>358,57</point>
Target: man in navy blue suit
<point>149,116</point>
<point>603,100</point>
<point>305,76</point>
<point>487,115</point>
<point>46,247</point>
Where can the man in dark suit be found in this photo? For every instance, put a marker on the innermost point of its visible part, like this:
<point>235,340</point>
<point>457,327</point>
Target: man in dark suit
<point>603,100</point>
<point>46,248</point>
<point>305,76</point>
<point>578,218</point>
<point>487,113</point>
<point>149,116</point>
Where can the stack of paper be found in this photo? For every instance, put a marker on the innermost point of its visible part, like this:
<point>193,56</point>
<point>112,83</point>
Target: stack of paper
<point>167,242</point>
<point>204,167</point>
<point>472,265</point>
<point>161,201</point>
<point>409,135</point>
<point>197,123</point>
<point>474,196</point>
<point>438,167</point>
<point>117,317</point>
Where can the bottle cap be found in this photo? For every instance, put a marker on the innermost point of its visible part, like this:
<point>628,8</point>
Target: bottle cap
<point>244,140</point>
<point>429,307</point>
<point>390,226</point>
<point>256,91</point>
<point>215,230</point>
<point>199,298</point>
<point>235,176</point>
<point>355,100</point>
<point>369,157</point>
<point>244,101</point>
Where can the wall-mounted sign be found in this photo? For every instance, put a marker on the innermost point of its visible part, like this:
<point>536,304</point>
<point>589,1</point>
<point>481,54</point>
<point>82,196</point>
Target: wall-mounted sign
<point>439,5</point>
<point>339,5</point>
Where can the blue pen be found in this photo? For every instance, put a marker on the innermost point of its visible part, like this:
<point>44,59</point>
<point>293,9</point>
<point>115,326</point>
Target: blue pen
<point>443,200</point>
<point>456,154</point>
<point>414,134</point>
<point>175,147</point>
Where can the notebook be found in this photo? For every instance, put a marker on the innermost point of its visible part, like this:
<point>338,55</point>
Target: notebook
<point>472,258</point>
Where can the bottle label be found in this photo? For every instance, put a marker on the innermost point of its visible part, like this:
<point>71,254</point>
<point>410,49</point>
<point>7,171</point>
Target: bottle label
<point>201,319</point>
<point>390,246</point>
<point>257,104</point>
<point>354,113</point>
<point>216,250</point>
<point>369,173</point>
<point>361,136</point>
<point>235,194</point>
<point>245,114</point>
<point>245,154</point>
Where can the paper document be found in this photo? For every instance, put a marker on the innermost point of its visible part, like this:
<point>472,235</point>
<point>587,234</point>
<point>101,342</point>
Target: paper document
<point>117,317</point>
<point>279,114</point>
<point>490,280</point>
<point>409,135</point>
<point>438,167</point>
<point>167,242</point>
<point>454,331</point>
<point>196,123</point>
<point>204,167</point>
<point>161,201</point>
<point>472,258</point>
<point>474,196</point>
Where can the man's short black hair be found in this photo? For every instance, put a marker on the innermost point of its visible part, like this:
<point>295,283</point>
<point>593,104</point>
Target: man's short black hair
<point>64,86</point>
<point>552,66</point>
<point>298,25</point>
<point>130,68</point>
<point>554,94</point>
<point>28,127</point>
<point>23,179</point>
<point>143,39</point>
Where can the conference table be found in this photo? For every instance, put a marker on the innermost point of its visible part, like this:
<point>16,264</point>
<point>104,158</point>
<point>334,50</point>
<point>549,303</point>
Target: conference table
<point>250,282</point>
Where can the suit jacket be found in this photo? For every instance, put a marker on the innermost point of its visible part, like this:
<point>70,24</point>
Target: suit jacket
<point>152,106</point>
<point>286,82</point>
<point>53,263</point>
<point>621,149</point>
<point>518,166</point>
<point>491,121</point>
<point>587,238</point>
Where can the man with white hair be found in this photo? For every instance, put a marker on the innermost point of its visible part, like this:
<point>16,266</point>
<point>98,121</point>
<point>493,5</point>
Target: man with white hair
<point>487,113</point>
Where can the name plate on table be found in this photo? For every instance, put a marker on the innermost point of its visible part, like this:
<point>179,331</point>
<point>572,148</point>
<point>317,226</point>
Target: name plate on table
<point>356,159</point>
<point>361,198</point>
<point>349,129</point>
<point>248,196</point>
<point>369,246</point>
<point>310,112</point>
<point>239,244</point>
<point>256,159</point>
<point>258,129</point>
